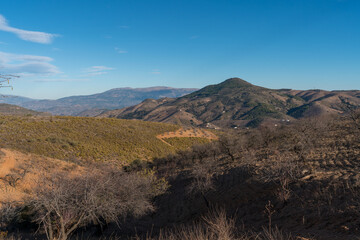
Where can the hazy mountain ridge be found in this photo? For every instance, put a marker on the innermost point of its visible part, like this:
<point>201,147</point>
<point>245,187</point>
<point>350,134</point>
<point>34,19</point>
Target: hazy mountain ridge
<point>90,104</point>
<point>236,102</point>
<point>13,110</point>
<point>15,100</point>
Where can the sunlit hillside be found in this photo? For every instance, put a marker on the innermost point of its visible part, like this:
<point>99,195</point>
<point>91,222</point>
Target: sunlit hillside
<point>71,138</point>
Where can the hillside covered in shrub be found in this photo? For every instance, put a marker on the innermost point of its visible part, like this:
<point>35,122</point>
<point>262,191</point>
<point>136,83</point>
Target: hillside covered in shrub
<point>296,181</point>
<point>71,138</point>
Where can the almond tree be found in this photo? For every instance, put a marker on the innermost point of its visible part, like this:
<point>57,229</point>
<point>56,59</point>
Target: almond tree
<point>352,112</point>
<point>64,203</point>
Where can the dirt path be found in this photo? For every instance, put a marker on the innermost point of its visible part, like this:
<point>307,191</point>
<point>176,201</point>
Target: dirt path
<point>164,141</point>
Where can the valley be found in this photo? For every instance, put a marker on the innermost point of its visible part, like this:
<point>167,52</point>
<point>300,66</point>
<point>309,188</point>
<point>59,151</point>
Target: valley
<point>231,159</point>
<point>179,120</point>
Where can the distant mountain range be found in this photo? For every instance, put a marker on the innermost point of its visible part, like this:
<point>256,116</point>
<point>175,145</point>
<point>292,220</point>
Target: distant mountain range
<point>236,102</point>
<point>13,110</point>
<point>92,105</point>
<point>15,100</point>
<point>232,103</point>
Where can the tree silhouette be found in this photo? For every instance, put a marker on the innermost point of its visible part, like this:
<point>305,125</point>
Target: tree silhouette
<point>5,80</point>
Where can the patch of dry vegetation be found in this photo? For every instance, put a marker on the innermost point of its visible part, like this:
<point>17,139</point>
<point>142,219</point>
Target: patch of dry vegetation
<point>185,142</point>
<point>296,181</point>
<point>103,139</point>
<point>61,202</point>
<point>307,172</point>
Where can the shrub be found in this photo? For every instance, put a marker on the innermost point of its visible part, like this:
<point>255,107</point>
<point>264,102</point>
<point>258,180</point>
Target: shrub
<point>64,203</point>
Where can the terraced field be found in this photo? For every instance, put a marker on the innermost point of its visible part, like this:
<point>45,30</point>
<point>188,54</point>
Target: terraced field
<point>342,164</point>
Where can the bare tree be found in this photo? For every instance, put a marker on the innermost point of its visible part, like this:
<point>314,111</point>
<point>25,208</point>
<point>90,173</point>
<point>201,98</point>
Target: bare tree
<point>283,171</point>
<point>202,174</point>
<point>352,111</point>
<point>229,146</point>
<point>64,203</point>
<point>8,211</point>
<point>5,80</point>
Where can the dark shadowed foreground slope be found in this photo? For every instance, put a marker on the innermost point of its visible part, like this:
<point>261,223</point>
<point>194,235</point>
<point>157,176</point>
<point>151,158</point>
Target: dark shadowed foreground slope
<point>295,182</point>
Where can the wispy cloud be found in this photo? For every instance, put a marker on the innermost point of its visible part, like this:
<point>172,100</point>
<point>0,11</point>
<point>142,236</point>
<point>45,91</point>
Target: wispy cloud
<point>155,71</point>
<point>118,50</point>
<point>56,80</point>
<point>32,36</point>
<point>97,70</point>
<point>124,27</point>
<point>194,37</point>
<point>27,64</point>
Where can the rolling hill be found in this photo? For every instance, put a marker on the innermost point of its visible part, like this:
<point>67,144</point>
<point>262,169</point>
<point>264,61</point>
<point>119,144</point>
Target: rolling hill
<point>236,102</point>
<point>92,105</point>
<point>70,138</point>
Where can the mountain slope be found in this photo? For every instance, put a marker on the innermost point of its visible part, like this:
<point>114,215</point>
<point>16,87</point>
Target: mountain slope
<point>8,109</point>
<point>16,100</point>
<point>112,99</point>
<point>69,138</point>
<point>236,102</point>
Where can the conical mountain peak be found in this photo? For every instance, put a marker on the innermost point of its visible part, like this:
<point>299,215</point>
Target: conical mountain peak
<point>225,87</point>
<point>235,83</point>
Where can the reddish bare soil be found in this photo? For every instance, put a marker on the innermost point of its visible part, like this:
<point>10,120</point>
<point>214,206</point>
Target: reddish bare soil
<point>19,173</point>
<point>189,132</point>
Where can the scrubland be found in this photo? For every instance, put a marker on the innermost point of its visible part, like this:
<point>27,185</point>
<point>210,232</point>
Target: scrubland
<point>292,181</point>
<point>71,138</point>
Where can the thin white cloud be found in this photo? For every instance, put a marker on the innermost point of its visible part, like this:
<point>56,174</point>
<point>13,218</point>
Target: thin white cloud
<point>32,36</point>
<point>55,80</point>
<point>124,27</point>
<point>97,70</point>
<point>10,57</point>
<point>155,71</point>
<point>32,67</point>
<point>26,64</point>
<point>95,74</point>
<point>118,50</point>
<point>194,37</point>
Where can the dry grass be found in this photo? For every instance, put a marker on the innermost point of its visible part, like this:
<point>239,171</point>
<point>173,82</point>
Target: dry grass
<point>306,176</point>
<point>218,226</point>
<point>88,138</point>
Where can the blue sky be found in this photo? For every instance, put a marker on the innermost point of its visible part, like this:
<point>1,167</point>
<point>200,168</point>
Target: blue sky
<point>61,48</point>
